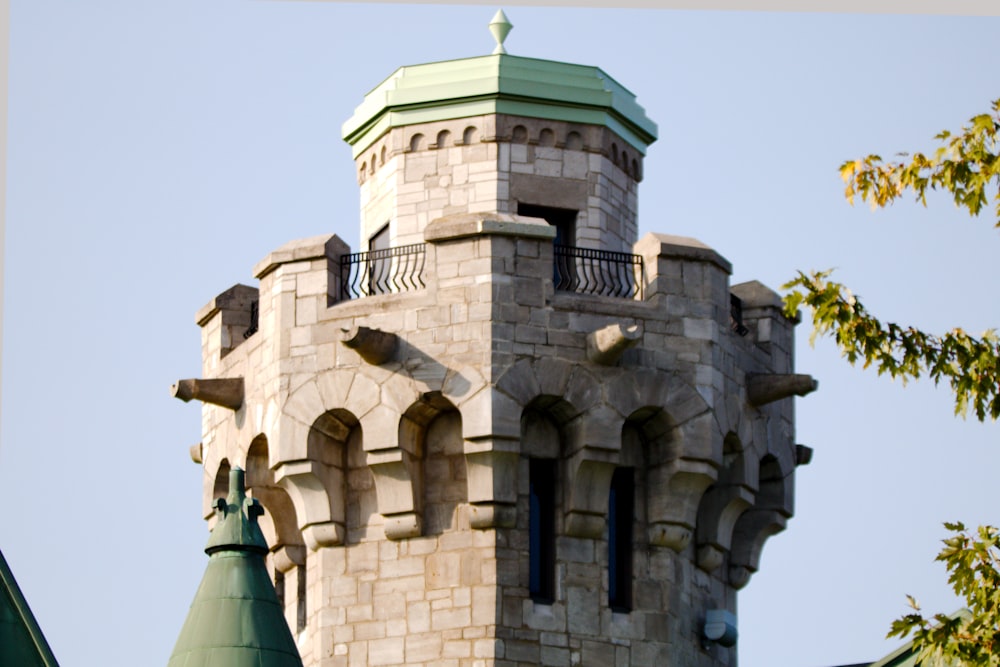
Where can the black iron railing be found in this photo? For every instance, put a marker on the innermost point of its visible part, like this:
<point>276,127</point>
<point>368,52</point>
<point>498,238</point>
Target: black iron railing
<point>736,315</point>
<point>600,272</point>
<point>388,271</point>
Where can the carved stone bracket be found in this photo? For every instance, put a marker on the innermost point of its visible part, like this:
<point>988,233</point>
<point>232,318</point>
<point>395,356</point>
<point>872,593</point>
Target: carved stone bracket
<point>226,392</point>
<point>590,473</point>
<point>396,472</point>
<point>764,388</point>
<point>594,451</point>
<point>720,508</point>
<point>375,346</point>
<point>675,489</point>
<point>606,346</point>
<point>288,556</point>
<point>491,474</point>
<point>306,483</point>
<point>752,530</point>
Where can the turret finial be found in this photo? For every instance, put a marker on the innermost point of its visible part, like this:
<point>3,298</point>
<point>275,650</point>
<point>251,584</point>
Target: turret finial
<point>500,26</point>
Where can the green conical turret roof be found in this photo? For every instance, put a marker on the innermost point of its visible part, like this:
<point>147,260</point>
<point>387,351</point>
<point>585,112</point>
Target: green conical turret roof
<point>235,619</point>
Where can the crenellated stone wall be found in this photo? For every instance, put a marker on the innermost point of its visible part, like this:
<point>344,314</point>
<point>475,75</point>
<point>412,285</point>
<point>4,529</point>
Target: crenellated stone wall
<point>389,439</point>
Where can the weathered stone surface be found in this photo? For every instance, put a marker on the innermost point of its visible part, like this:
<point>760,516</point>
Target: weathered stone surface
<point>406,455</point>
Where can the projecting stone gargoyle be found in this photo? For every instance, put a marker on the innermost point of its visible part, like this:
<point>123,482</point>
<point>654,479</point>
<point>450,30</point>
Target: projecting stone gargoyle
<point>606,346</point>
<point>375,346</point>
<point>764,388</point>
<point>227,392</point>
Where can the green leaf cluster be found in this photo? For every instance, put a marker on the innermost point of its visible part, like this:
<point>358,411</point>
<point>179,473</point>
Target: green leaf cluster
<point>971,365</point>
<point>973,636</point>
<point>965,165</point>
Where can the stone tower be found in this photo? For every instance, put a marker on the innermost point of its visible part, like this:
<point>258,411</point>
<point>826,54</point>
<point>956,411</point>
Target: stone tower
<point>507,432</point>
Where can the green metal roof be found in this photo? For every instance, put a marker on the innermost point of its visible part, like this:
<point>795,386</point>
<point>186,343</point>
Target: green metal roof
<point>236,619</point>
<point>906,655</point>
<point>21,640</point>
<point>503,84</point>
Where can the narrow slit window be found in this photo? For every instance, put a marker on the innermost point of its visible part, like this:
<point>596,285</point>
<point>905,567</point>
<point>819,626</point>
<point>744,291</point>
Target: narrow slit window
<point>300,610</point>
<point>621,512</point>
<point>541,526</point>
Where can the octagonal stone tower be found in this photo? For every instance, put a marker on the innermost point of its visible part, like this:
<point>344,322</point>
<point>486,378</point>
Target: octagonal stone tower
<point>507,433</point>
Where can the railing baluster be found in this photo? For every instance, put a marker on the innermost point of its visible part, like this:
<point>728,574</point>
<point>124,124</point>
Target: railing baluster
<point>579,270</point>
<point>387,271</point>
<point>599,272</point>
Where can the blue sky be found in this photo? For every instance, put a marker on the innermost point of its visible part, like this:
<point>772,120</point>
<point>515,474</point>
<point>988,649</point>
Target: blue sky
<point>157,150</point>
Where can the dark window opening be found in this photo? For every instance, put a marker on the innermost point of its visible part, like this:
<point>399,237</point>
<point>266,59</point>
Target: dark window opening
<point>541,527</point>
<point>564,220</point>
<point>300,610</point>
<point>378,267</point>
<point>621,512</point>
<point>279,587</point>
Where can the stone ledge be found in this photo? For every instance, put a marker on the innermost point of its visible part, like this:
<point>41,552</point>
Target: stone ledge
<point>464,225</point>
<point>236,298</point>
<point>680,247</point>
<point>302,250</point>
<point>755,294</point>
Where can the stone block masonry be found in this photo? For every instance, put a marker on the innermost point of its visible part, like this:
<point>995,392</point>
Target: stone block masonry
<point>483,459</point>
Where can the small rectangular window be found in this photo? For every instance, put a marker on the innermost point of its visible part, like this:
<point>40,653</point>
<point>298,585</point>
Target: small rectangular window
<point>541,527</point>
<point>564,220</point>
<point>621,511</point>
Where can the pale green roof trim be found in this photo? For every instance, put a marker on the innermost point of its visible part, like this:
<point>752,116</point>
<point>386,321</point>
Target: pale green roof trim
<point>21,640</point>
<point>499,84</point>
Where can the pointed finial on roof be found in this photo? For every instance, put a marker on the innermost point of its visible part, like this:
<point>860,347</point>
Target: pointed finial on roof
<point>236,618</point>
<point>500,26</point>
<point>237,529</point>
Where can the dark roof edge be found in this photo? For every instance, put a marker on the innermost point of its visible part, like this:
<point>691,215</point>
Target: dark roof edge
<point>23,612</point>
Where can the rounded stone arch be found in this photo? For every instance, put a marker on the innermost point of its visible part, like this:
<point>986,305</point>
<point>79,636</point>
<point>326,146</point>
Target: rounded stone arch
<point>725,502</point>
<point>766,517</point>
<point>397,460</point>
<point>441,488</point>
<point>281,528</point>
<point>417,142</point>
<point>312,473</point>
<point>574,141</point>
<point>547,137</point>
<point>469,135</point>
<point>673,482</point>
<point>533,382</point>
<point>220,486</point>
<point>682,444</point>
<point>696,431</point>
<point>443,137</point>
<point>543,426</point>
<point>519,135</point>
